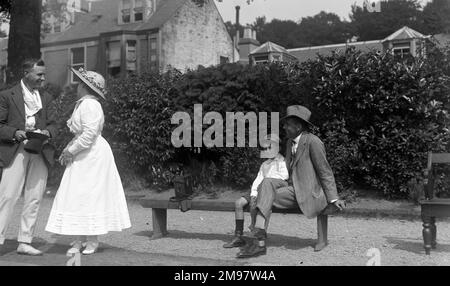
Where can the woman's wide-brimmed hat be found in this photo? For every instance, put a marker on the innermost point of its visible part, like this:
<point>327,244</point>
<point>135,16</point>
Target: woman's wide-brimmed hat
<point>92,79</point>
<point>300,112</point>
<point>35,142</point>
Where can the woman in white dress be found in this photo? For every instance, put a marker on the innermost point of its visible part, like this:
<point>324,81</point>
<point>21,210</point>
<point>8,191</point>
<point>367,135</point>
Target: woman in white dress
<point>90,200</point>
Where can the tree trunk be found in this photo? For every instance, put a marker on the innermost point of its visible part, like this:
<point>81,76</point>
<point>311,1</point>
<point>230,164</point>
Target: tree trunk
<point>24,36</point>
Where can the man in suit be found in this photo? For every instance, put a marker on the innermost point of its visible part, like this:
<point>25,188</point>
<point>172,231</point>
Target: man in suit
<point>311,185</point>
<point>22,109</point>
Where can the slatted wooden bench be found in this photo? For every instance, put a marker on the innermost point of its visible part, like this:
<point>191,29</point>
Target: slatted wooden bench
<point>160,205</point>
<point>432,207</point>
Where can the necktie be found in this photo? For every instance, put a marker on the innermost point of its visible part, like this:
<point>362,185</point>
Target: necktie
<point>293,151</point>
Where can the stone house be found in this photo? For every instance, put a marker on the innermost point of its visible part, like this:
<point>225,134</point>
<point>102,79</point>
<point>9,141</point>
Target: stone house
<point>116,37</point>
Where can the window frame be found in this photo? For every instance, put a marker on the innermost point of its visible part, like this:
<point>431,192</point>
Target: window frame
<point>77,65</point>
<point>401,49</point>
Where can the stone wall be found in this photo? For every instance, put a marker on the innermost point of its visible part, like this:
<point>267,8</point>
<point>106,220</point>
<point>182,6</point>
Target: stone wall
<point>195,36</point>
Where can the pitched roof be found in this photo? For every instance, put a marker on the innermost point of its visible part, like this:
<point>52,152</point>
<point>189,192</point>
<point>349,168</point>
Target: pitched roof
<point>269,47</point>
<point>441,39</point>
<point>403,34</point>
<point>103,19</point>
<point>308,53</point>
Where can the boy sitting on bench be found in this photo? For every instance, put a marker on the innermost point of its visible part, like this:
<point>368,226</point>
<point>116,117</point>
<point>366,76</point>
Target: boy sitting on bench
<point>274,167</point>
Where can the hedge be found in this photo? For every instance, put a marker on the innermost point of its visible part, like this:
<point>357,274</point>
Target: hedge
<point>377,115</point>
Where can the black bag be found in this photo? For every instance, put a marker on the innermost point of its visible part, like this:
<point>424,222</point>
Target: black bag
<point>183,187</point>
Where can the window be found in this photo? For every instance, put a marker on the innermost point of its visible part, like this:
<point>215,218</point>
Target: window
<point>224,60</point>
<point>131,55</point>
<point>138,10</point>
<point>276,58</point>
<point>77,61</point>
<point>153,54</point>
<point>114,58</point>
<point>261,59</point>
<point>134,10</point>
<point>152,44</point>
<point>126,11</point>
<point>401,50</point>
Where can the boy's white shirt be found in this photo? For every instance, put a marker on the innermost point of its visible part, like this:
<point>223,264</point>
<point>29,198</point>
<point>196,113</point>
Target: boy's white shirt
<point>271,168</point>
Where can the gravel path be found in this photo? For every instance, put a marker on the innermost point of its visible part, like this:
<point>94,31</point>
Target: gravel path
<point>196,238</point>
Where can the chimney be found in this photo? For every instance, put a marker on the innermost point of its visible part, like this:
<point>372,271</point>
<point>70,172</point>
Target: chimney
<point>248,33</point>
<point>236,41</point>
<point>247,45</point>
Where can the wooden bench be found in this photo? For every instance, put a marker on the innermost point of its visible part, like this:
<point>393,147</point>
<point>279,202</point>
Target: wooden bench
<point>160,206</point>
<point>431,207</point>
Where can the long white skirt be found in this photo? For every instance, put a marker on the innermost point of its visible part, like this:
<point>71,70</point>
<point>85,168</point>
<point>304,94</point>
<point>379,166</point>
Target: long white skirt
<point>90,199</point>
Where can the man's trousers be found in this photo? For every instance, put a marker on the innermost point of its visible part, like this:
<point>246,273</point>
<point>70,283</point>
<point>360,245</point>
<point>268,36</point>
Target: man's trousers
<point>27,172</point>
<point>274,193</point>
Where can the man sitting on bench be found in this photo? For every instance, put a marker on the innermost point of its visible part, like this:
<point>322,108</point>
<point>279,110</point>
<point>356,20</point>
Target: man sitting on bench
<point>311,183</point>
<point>275,168</point>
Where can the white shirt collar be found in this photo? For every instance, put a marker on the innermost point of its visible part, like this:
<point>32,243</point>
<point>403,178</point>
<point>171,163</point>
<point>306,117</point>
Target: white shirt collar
<point>297,139</point>
<point>25,87</point>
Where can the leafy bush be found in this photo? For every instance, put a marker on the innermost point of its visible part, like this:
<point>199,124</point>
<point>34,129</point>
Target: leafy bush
<point>138,113</point>
<point>394,111</point>
<point>377,116</point>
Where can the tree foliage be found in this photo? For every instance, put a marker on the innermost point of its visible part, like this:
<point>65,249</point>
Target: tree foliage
<point>24,35</point>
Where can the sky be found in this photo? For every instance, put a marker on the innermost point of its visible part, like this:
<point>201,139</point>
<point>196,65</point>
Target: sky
<point>285,9</point>
<point>282,9</point>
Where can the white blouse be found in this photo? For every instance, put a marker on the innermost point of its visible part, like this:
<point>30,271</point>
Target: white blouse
<point>86,123</point>
<point>272,168</point>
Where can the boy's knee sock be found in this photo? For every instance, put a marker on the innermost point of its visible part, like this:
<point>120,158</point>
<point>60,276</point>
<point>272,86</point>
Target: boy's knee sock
<point>239,227</point>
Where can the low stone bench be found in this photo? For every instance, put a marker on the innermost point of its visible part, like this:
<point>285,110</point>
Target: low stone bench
<point>160,205</point>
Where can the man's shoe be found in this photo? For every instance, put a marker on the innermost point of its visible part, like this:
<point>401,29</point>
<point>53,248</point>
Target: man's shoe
<point>26,249</point>
<point>236,242</point>
<point>252,251</point>
<point>319,246</point>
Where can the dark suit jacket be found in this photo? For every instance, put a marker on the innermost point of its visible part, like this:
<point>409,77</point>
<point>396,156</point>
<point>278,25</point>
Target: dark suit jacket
<point>311,175</point>
<point>12,118</point>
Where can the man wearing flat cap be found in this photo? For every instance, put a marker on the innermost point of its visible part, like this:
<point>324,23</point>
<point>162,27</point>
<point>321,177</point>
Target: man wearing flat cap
<point>24,112</point>
<point>311,185</point>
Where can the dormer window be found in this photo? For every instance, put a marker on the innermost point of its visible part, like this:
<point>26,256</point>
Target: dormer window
<point>401,49</point>
<point>126,11</point>
<point>138,10</point>
<point>131,11</point>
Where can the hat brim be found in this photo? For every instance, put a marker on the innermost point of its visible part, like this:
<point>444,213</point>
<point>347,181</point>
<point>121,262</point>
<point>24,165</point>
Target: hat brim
<point>303,120</point>
<point>88,83</point>
<point>36,135</point>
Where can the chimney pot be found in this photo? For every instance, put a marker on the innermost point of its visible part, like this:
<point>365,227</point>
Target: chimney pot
<point>248,33</point>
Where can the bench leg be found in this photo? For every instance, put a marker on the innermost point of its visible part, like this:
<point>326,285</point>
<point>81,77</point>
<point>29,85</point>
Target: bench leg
<point>159,219</point>
<point>433,233</point>
<point>427,234</point>
<point>322,232</point>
